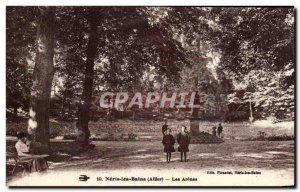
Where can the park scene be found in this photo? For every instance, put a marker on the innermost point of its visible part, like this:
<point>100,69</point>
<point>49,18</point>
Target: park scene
<point>201,93</point>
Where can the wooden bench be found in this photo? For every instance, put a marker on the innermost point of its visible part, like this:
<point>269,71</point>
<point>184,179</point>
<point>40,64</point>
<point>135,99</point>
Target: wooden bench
<point>12,159</point>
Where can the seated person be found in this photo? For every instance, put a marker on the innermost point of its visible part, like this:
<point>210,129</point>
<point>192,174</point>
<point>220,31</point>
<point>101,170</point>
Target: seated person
<point>24,152</point>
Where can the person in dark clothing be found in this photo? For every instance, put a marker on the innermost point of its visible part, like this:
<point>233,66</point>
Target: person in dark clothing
<point>214,132</point>
<point>168,142</point>
<point>220,130</point>
<point>183,139</point>
<point>164,128</point>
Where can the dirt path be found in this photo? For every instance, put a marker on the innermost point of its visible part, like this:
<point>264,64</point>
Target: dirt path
<point>274,161</point>
<point>232,153</point>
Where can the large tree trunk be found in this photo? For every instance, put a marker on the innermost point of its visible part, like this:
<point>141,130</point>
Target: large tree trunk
<point>251,115</point>
<point>84,108</point>
<point>16,113</point>
<point>194,120</point>
<point>38,126</point>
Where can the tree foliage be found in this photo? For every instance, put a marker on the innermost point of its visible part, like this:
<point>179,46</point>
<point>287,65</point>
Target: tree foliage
<point>20,52</point>
<point>210,49</point>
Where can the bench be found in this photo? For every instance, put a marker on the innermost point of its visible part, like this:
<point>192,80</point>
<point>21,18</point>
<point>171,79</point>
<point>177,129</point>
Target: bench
<point>12,159</point>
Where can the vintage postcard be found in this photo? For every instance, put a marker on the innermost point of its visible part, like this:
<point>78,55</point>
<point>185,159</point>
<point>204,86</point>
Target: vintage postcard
<point>114,96</point>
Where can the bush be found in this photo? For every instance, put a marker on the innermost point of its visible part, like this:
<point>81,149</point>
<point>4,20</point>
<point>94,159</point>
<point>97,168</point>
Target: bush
<point>56,128</point>
<point>237,116</point>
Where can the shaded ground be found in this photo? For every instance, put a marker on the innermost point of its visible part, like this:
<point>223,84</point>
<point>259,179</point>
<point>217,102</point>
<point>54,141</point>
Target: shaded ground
<point>148,153</point>
<point>272,158</point>
<point>243,154</point>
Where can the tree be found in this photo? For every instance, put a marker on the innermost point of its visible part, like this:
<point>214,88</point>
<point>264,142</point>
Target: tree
<point>42,77</point>
<point>20,47</point>
<point>257,44</point>
<point>248,41</point>
<point>70,59</point>
<point>88,85</point>
<point>138,47</point>
<point>269,93</point>
<point>254,38</point>
<point>100,48</point>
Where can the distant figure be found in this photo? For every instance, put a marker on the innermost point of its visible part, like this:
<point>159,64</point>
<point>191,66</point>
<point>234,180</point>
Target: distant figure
<point>183,139</point>
<point>23,148</point>
<point>214,132</point>
<point>164,127</point>
<point>168,142</point>
<point>220,130</point>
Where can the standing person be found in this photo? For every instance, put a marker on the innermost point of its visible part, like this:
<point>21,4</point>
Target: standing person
<point>168,142</point>
<point>220,130</point>
<point>164,127</point>
<point>183,139</point>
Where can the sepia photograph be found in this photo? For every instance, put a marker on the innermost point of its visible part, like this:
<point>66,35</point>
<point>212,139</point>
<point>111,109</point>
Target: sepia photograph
<point>150,96</point>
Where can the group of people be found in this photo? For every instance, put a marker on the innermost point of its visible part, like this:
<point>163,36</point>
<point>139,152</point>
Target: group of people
<point>217,132</point>
<point>183,139</point>
<point>24,147</point>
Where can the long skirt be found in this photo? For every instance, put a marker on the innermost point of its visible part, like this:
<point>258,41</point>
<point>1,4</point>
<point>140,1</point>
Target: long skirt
<point>38,165</point>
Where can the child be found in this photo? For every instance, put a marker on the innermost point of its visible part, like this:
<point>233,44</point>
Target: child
<point>183,140</point>
<point>220,130</point>
<point>168,142</point>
